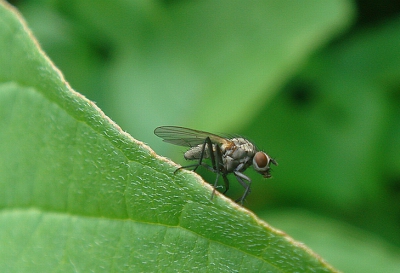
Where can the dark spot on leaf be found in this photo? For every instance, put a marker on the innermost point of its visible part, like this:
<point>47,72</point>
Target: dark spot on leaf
<point>171,2</point>
<point>393,186</point>
<point>15,2</point>
<point>394,94</point>
<point>301,92</point>
<point>370,11</point>
<point>102,50</point>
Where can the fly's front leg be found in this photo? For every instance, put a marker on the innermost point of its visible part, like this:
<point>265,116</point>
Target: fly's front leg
<point>241,177</point>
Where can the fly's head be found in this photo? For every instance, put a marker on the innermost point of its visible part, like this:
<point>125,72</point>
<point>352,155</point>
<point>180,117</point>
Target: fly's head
<point>262,162</point>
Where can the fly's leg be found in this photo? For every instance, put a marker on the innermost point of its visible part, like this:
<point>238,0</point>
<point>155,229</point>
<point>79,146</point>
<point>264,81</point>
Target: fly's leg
<point>241,177</point>
<point>222,169</point>
<point>216,161</point>
<point>226,182</point>
<point>207,142</point>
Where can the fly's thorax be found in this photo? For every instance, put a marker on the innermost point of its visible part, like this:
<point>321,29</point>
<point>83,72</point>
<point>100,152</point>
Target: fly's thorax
<point>239,155</point>
<point>244,145</point>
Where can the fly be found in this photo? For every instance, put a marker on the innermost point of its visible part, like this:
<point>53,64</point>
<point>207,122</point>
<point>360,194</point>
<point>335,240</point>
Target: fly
<point>227,155</point>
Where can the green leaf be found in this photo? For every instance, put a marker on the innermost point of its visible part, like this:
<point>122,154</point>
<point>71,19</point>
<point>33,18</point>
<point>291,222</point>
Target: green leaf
<point>348,248</point>
<point>79,194</point>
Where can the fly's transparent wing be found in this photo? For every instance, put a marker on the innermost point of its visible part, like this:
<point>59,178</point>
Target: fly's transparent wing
<point>186,137</point>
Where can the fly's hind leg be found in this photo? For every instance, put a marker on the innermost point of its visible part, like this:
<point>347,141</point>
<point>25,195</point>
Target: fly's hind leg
<point>207,143</point>
<point>216,161</point>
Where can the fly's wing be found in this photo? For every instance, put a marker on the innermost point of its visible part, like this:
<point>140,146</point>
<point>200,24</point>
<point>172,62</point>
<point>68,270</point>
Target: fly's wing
<point>186,137</point>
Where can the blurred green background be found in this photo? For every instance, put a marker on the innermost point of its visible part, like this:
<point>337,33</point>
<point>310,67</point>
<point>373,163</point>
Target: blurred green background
<point>316,84</point>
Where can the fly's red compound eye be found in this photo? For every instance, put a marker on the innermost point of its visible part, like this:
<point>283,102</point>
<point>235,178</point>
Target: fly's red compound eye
<point>261,160</point>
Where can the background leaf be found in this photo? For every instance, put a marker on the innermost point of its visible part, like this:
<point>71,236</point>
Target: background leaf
<point>348,248</point>
<point>201,64</point>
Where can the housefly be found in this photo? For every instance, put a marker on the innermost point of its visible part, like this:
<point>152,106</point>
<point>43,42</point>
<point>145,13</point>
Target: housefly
<point>227,155</point>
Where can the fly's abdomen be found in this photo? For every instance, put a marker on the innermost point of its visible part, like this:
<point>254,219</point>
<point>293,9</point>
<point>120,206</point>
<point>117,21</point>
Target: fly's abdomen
<point>195,152</point>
